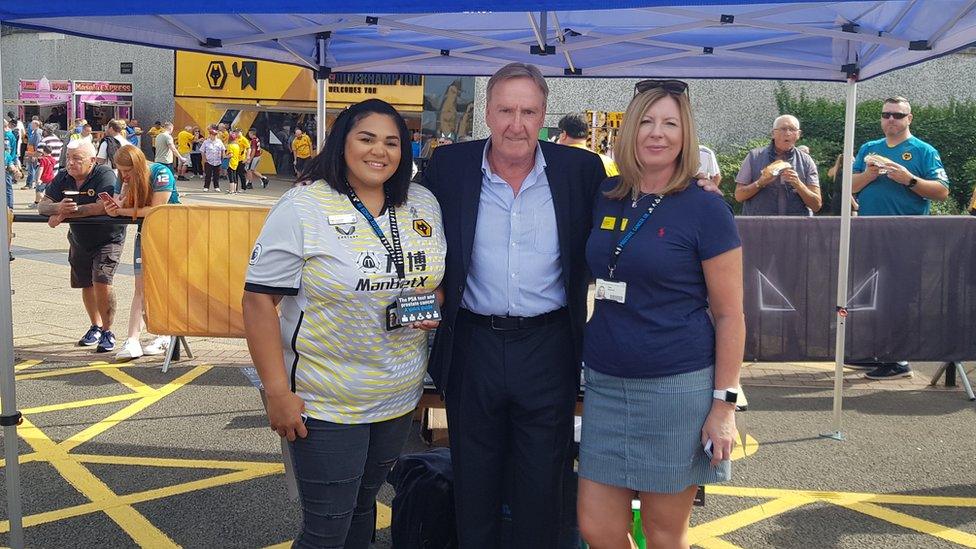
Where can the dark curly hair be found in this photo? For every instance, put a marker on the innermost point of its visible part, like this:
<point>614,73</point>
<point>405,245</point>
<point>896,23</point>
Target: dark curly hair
<point>330,163</point>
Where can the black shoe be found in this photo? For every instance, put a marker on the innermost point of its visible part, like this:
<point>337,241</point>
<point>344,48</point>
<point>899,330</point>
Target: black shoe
<point>264,182</point>
<point>891,371</point>
<point>181,178</point>
<point>865,365</point>
<point>249,187</point>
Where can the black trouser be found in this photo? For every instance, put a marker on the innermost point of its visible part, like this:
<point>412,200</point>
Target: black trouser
<point>510,401</point>
<point>300,164</point>
<point>242,175</point>
<point>196,163</point>
<point>211,173</point>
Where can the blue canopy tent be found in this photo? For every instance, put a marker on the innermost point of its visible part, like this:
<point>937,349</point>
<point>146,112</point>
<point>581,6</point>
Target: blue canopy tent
<point>842,41</point>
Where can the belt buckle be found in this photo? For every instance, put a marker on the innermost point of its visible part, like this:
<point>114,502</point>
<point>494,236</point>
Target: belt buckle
<point>491,320</point>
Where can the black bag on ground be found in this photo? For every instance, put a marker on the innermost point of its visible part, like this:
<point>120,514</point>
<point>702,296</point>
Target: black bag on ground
<point>423,507</point>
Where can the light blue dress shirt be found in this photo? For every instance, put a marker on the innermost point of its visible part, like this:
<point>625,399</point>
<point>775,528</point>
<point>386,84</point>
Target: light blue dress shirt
<point>515,268</point>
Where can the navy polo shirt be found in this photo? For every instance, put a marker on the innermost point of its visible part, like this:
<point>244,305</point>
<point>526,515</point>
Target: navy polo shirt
<point>664,327</point>
<point>101,179</point>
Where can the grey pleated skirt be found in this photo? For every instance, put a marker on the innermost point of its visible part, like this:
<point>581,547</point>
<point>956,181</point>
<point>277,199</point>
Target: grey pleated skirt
<point>645,433</point>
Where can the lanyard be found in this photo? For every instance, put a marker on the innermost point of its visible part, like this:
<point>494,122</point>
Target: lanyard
<point>619,248</point>
<point>395,251</point>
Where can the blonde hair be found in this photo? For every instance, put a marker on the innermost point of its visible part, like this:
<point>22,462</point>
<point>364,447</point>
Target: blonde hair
<point>138,193</point>
<point>629,165</point>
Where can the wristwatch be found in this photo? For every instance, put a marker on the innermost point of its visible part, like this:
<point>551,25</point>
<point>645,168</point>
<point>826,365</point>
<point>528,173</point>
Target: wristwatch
<point>913,182</point>
<point>726,395</point>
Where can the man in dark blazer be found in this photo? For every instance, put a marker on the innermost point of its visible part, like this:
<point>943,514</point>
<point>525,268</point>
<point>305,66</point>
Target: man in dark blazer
<point>516,214</point>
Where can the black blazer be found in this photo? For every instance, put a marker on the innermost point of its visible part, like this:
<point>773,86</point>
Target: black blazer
<point>454,176</point>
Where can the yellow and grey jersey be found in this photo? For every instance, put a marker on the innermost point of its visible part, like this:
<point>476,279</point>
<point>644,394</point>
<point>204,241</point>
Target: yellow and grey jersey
<point>338,280</point>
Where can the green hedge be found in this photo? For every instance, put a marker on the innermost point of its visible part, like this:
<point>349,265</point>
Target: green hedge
<point>950,129</point>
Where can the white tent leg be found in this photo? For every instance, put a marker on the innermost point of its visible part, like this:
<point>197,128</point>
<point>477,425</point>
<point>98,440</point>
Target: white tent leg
<point>850,111</point>
<point>322,90</point>
<point>7,394</point>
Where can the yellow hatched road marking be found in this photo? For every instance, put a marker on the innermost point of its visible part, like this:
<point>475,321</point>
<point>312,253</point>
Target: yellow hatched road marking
<point>172,462</point>
<point>716,543</point>
<point>914,523</point>
<point>125,413</point>
<point>108,504</point>
<point>119,508</point>
<point>840,497</point>
<point>91,367</point>
<point>80,404</point>
<point>132,383</point>
<point>735,521</point>
<point>26,364</point>
<point>131,521</point>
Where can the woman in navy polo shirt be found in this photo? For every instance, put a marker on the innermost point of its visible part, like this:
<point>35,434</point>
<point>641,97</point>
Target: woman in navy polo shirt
<point>664,346</point>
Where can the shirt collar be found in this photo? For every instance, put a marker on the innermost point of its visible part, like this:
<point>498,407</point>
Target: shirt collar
<point>540,161</point>
<point>772,151</point>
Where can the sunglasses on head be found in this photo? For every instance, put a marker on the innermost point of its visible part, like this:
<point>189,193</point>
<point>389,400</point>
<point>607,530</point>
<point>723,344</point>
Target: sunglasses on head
<point>895,115</point>
<point>676,87</point>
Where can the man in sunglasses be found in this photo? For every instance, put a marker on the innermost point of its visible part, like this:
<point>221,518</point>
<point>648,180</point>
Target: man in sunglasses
<point>898,174</point>
<point>780,178</point>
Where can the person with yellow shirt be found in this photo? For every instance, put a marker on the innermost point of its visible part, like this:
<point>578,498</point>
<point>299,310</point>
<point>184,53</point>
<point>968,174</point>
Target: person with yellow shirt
<point>573,132</point>
<point>245,145</point>
<point>301,146</point>
<point>241,167</point>
<point>224,137</point>
<point>184,144</point>
<point>155,130</point>
<point>233,158</point>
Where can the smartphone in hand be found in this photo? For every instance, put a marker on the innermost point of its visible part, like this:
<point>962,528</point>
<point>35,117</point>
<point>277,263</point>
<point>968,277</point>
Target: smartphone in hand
<point>107,198</point>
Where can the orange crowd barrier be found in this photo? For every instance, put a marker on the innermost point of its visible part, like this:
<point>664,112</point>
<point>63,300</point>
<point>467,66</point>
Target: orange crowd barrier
<point>194,262</point>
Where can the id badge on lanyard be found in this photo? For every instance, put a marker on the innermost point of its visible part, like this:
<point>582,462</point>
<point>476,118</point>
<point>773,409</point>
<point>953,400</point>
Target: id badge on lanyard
<point>413,307</point>
<point>610,289</point>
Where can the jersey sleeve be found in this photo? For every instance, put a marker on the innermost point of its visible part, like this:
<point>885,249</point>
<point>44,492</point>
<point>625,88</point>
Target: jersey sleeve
<point>275,265</point>
<point>717,232</point>
<point>935,170</point>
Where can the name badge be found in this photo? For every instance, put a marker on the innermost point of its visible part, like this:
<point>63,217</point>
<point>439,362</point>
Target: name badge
<point>342,219</point>
<point>417,308</point>
<point>610,290</point>
<point>390,317</point>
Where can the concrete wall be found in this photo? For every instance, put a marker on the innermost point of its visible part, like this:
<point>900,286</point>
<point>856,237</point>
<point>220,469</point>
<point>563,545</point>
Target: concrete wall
<point>31,56</point>
<point>733,111</point>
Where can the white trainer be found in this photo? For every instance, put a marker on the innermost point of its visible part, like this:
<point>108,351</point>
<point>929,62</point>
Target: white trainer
<point>158,346</point>
<point>130,350</point>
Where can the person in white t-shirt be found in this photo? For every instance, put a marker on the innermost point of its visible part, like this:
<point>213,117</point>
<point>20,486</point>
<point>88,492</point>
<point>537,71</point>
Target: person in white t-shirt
<point>708,165</point>
<point>113,141</point>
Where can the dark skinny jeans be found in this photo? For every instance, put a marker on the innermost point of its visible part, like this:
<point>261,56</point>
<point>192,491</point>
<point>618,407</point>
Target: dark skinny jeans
<point>339,469</point>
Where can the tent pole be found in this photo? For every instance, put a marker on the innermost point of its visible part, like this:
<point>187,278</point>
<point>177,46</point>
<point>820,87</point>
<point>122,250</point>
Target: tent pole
<point>8,413</point>
<point>850,111</point>
<point>321,86</point>
<point>320,110</point>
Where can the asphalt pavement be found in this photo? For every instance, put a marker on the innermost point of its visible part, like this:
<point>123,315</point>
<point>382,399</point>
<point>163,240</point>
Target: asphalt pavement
<point>122,455</point>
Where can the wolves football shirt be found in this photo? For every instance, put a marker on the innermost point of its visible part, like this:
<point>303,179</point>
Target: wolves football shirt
<point>338,281</point>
